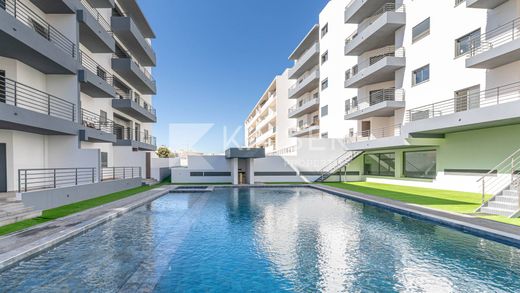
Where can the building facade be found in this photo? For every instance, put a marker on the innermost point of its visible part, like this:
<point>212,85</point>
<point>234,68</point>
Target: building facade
<point>75,93</point>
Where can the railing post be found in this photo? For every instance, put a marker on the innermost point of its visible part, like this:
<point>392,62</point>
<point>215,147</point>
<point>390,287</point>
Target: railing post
<point>124,173</point>
<point>19,180</point>
<point>49,105</point>
<point>93,176</point>
<point>114,173</point>
<point>498,95</point>
<point>15,93</point>
<point>483,190</point>
<point>54,178</point>
<point>76,178</point>
<point>25,178</point>
<point>133,172</point>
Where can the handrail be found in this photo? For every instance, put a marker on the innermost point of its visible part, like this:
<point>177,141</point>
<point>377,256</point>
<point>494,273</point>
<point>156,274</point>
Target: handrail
<point>95,121</point>
<point>305,102</point>
<point>495,37</point>
<point>379,55</point>
<point>486,98</point>
<point>371,134</point>
<point>337,163</point>
<point>118,173</point>
<point>39,179</point>
<point>29,18</point>
<point>380,96</point>
<point>26,97</point>
<point>311,75</point>
<point>505,171</point>
<point>137,99</point>
<point>99,18</point>
<point>128,133</point>
<point>304,127</point>
<point>91,65</point>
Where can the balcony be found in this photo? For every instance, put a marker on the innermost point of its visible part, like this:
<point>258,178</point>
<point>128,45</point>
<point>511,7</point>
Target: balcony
<point>126,31</point>
<point>135,74</point>
<point>95,128</point>
<point>381,103</point>
<point>132,9</point>
<point>305,130</point>
<point>495,48</point>
<point>485,4</point>
<point>134,138</point>
<point>358,10</point>
<point>379,138</point>
<point>27,109</point>
<point>103,3</point>
<point>94,29</point>
<point>493,107</point>
<point>304,107</point>
<point>55,6</point>
<point>27,37</point>
<point>307,84</point>
<point>95,81</point>
<point>376,31</point>
<point>379,68</point>
<point>264,136</point>
<point>306,62</point>
<point>136,108</point>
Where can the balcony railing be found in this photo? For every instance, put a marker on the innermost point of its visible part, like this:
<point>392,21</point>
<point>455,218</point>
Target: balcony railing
<point>496,37</point>
<point>388,131</point>
<point>29,18</point>
<point>379,55</point>
<point>490,97</point>
<point>304,127</point>
<point>137,99</point>
<point>26,97</point>
<point>95,121</point>
<point>127,133</point>
<point>304,103</point>
<point>387,7</point>
<point>119,173</point>
<point>377,97</point>
<point>124,54</point>
<point>38,179</point>
<point>91,65</point>
<point>100,19</point>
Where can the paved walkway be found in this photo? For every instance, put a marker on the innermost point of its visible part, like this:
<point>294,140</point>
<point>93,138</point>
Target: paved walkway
<point>501,232</point>
<point>23,244</point>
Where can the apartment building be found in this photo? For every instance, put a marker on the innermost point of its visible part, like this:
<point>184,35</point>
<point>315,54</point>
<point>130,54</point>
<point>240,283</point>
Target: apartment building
<point>268,124</point>
<point>76,93</point>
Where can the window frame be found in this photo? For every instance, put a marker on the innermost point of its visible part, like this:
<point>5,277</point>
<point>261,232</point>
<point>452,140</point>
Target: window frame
<point>419,151</point>
<point>414,74</point>
<point>423,34</point>
<point>324,84</point>
<point>470,40</point>
<point>324,57</point>
<point>379,174</point>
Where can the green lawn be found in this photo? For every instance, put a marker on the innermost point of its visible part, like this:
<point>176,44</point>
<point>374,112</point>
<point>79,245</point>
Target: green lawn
<point>63,211</point>
<point>446,200</point>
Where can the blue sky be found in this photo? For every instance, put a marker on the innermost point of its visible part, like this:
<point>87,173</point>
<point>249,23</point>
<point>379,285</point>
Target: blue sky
<point>215,59</point>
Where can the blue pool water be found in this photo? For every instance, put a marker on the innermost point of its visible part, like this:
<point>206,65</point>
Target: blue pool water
<point>268,240</point>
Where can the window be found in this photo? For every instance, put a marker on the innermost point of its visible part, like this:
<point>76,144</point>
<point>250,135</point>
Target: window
<point>324,57</point>
<point>421,30</point>
<point>382,164</point>
<point>467,43</point>
<point>325,84</point>
<point>104,160</point>
<point>325,135</point>
<point>420,164</point>
<point>324,30</point>
<point>466,99</point>
<point>421,75</point>
<point>324,110</point>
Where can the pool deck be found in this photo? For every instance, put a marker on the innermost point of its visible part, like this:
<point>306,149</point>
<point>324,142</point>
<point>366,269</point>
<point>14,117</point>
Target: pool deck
<point>29,242</point>
<point>26,243</point>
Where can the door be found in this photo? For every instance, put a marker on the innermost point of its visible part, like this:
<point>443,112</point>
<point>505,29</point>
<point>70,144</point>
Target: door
<point>365,128</point>
<point>2,85</point>
<point>3,168</point>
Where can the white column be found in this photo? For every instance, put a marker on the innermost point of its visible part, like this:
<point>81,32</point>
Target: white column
<point>234,171</point>
<point>250,171</point>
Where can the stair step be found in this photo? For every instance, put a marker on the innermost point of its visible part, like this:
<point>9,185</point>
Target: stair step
<point>11,206</point>
<point>10,219</point>
<point>506,199</point>
<point>502,205</point>
<point>510,192</point>
<point>496,211</point>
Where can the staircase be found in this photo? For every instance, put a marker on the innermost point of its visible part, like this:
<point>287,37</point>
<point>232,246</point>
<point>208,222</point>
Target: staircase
<point>13,210</point>
<point>503,183</point>
<point>337,164</point>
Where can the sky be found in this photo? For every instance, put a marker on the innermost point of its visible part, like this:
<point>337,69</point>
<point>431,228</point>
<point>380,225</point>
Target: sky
<point>214,61</point>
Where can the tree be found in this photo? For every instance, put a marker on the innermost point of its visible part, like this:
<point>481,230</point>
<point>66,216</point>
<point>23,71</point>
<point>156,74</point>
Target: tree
<point>163,152</point>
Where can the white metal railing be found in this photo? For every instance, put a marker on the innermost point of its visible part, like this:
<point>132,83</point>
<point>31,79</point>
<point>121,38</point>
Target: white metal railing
<point>495,37</point>
<point>372,134</point>
<point>290,150</point>
<point>377,97</point>
<point>379,55</point>
<point>502,176</point>
<point>304,103</point>
<point>305,127</point>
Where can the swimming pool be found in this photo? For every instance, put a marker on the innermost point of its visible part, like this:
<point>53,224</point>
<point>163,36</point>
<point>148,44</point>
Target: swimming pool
<point>268,240</point>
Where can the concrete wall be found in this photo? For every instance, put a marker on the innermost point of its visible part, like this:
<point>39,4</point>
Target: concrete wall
<point>51,198</point>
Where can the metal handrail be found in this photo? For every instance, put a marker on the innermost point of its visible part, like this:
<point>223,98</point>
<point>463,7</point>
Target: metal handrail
<point>128,133</point>
<point>486,98</point>
<point>118,173</point>
<point>371,134</point>
<point>380,96</point>
<point>91,65</point>
<point>99,18</point>
<point>337,163</point>
<point>495,37</point>
<point>305,102</point>
<point>26,97</point>
<point>379,55</point>
<point>31,19</point>
<point>501,176</point>
<point>137,99</point>
<point>39,179</point>
<point>95,121</point>
<point>304,127</point>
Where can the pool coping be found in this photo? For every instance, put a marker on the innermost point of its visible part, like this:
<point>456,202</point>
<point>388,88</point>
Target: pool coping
<point>29,242</point>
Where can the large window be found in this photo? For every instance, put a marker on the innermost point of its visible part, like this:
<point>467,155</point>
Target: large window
<point>421,30</point>
<point>420,164</point>
<point>467,43</point>
<point>421,75</point>
<point>382,164</point>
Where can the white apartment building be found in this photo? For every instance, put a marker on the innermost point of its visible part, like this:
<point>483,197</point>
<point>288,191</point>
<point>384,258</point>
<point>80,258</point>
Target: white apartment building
<point>268,124</point>
<point>75,94</point>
